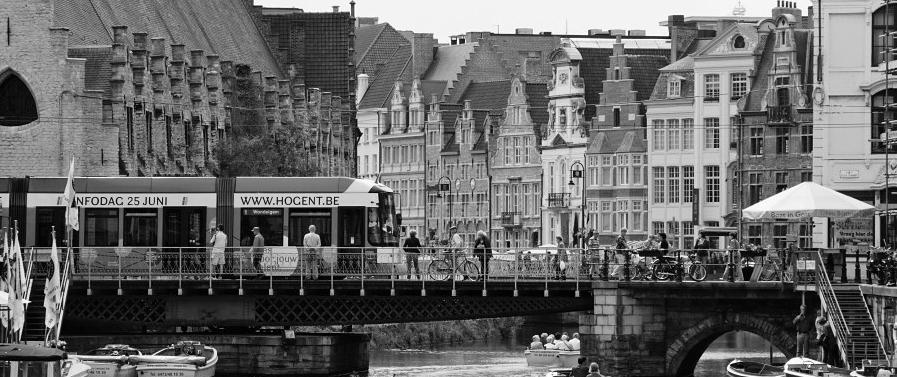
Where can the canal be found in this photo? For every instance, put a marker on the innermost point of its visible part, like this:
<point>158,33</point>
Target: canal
<point>504,358</point>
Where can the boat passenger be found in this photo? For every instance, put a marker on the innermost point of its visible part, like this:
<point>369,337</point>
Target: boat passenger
<point>544,337</point>
<point>536,344</point>
<point>562,343</point>
<point>574,343</point>
<point>581,369</point>
<point>549,343</point>
<point>594,371</point>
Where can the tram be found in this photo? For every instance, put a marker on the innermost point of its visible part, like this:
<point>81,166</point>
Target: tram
<point>162,212</point>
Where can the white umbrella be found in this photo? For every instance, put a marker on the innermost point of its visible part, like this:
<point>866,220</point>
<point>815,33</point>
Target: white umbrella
<point>807,200</point>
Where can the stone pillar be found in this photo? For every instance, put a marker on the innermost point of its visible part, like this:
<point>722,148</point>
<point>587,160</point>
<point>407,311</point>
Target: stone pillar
<point>284,102</point>
<point>270,100</point>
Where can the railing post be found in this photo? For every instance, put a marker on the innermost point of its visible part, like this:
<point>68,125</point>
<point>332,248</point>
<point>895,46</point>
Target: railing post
<point>392,281</point>
<point>332,291</point>
<point>363,262</point>
<point>843,253</point>
<point>240,277</point>
<point>150,256</point>
<point>302,271</point>
<point>626,263</point>
<point>856,269</point>
<point>180,271</point>
<point>210,267</point>
<point>484,272</point>
<point>577,271</point>
<point>454,271</point>
<point>547,264</point>
<point>730,266</point>
<point>516,271</point>
<point>679,269</point>
<point>119,274</point>
<point>89,277</point>
<point>605,267</point>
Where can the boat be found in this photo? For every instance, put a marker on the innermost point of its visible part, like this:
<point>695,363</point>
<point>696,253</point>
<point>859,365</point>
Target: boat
<point>551,358</point>
<point>739,368</point>
<point>183,359</point>
<point>39,361</point>
<point>559,372</point>
<point>875,368</point>
<point>111,360</point>
<point>806,367</point>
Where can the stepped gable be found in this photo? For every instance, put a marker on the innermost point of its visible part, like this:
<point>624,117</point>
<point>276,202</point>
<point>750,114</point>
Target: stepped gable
<point>537,97</point>
<point>222,27</point>
<point>97,69</point>
<point>396,68</point>
<point>644,64</point>
<point>484,64</point>
<point>375,44</point>
<point>487,95</point>
<point>448,62</point>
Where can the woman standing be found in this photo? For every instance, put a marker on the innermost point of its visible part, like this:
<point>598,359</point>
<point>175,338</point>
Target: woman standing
<point>482,249</point>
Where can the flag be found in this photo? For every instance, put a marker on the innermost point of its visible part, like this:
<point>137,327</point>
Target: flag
<point>71,212</point>
<point>4,317</point>
<point>17,286</point>
<point>52,296</point>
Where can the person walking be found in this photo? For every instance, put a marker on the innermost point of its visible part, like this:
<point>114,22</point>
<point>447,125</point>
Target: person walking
<point>803,324</point>
<point>412,253</point>
<point>734,266</point>
<point>622,249</point>
<point>560,261</point>
<point>594,371</point>
<point>216,257</point>
<point>312,243</point>
<point>258,248</point>
<point>701,248</point>
<point>482,248</point>
<point>581,369</point>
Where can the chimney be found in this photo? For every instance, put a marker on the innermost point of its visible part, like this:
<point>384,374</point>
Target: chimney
<point>787,7</point>
<point>336,9</point>
<point>596,32</point>
<point>352,8</point>
<point>616,32</point>
<point>362,88</point>
<point>637,33</point>
<point>523,31</point>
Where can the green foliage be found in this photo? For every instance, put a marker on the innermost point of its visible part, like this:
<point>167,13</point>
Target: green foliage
<point>431,334</point>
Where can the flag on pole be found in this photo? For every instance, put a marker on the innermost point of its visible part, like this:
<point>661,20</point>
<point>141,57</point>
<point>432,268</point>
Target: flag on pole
<point>52,295</point>
<point>17,283</point>
<point>4,316</point>
<point>71,212</point>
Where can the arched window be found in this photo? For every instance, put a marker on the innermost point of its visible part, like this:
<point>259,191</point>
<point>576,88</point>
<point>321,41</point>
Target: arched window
<point>881,114</point>
<point>883,21</point>
<point>738,42</point>
<point>17,106</point>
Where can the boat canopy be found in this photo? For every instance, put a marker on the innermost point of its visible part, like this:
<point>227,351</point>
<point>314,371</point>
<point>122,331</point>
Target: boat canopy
<point>22,352</point>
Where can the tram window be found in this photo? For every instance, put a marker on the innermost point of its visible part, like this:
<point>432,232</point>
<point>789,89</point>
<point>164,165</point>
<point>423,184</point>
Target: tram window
<point>269,221</point>
<point>47,218</point>
<point>300,219</point>
<point>351,223</point>
<point>381,222</point>
<point>141,227</point>
<point>101,227</point>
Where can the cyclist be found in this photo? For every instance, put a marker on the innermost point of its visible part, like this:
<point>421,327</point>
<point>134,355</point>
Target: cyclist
<point>456,246</point>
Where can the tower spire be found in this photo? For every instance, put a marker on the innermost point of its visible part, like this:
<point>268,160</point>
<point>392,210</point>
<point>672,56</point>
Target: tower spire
<point>739,9</point>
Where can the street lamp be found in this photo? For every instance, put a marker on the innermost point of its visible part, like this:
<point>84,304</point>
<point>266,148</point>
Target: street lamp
<point>579,174</point>
<point>444,187</point>
<point>457,189</point>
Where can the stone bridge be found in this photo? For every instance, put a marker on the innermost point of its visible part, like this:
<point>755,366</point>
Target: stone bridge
<point>663,328</point>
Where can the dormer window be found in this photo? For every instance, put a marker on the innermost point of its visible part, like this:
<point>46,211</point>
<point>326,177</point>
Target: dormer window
<point>617,73</point>
<point>738,42</point>
<point>674,87</point>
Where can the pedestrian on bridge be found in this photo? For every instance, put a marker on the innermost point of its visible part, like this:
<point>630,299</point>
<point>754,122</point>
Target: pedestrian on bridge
<point>412,253</point>
<point>804,324</point>
<point>216,255</point>
<point>312,243</point>
<point>622,247</point>
<point>482,249</point>
<point>258,247</point>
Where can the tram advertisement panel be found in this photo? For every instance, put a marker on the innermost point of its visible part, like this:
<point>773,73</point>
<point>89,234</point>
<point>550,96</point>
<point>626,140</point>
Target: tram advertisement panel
<point>292,260</point>
<point>305,200</point>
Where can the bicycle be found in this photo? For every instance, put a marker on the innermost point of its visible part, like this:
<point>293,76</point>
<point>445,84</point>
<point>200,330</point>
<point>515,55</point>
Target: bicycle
<point>441,269</point>
<point>667,267</point>
<point>772,270</point>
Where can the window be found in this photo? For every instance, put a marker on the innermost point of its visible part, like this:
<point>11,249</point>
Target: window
<point>779,235</point>
<point>616,117</point>
<point>673,233</point>
<point>638,215</point>
<point>711,133</point>
<point>806,138</point>
<point>101,227</point>
<point>658,227</point>
<point>881,114</point>
<point>622,169</point>
<point>673,179</point>
<point>606,216</point>
<point>141,227</point>
<point>756,141</point>
<point>672,134</point>
<point>739,85</point>
<point>883,19</point>
<point>270,223</point>
<point>527,149</point>
<point>783,136</point>
<point>688,232</point>
<point>738,42</point>
<point>594,215</point>
<point>622,212</point>
<point>607,171</point>
<point>594,170</point>
<point>805,236</point>
<point>781,181</point>
<point>711,87</point>
<point>711,184</point>
<point>674,87</point>
<point>755,187</point>
<point>659,135</point>
<point>806,176</point>
<point>688,183</point>
<point>148,116</point>
<point>658,184</point>
<point>754,237</point>
<point>688,134</point>
<point>47,218</point>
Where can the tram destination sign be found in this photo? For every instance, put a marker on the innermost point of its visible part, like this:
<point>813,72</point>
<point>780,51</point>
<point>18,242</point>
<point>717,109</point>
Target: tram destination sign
<point>304,200</point>
<point>126,200</point>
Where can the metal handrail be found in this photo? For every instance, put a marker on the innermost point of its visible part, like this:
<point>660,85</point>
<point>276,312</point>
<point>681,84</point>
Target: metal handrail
<point>831,306</point>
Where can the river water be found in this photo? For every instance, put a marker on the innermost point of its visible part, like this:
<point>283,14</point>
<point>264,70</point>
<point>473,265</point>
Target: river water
<point>504,358</point>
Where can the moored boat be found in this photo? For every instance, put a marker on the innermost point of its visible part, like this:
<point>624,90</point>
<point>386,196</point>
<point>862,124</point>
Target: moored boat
<point>184,359</point>
<point>806,367</point>
<point>40,361</point>
<point>739,368</point>
<point>551,358</point>
<point>875,368</point>
<point>111,360</point>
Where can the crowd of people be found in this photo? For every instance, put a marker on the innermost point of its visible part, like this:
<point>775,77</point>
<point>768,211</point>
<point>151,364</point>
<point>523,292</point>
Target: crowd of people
<point>556,341</point>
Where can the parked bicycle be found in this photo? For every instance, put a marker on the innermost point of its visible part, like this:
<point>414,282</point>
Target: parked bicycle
<point>773,270</point>
<point>453,265</point>
<point>667,267</point>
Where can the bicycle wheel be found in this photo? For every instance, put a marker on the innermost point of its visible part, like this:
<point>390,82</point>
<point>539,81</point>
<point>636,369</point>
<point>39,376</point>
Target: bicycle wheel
<point>661,271</point>
<point>697,272</point>
<point>439,270</point>
<point>787,276</point>
<point>469,269</point>
<point>768,272</point>
<point>634,272</point>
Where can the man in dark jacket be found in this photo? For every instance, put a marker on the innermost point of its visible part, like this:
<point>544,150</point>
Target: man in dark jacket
<point>412,252</point>
<point>482,249</point>
<point>581,370</point>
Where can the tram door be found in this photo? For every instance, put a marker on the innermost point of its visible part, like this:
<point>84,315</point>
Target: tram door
<point>351,221</point>
<point>183,234</point>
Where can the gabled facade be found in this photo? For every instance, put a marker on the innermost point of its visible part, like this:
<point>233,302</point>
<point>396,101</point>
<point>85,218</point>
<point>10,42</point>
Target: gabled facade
<point>516,169</point>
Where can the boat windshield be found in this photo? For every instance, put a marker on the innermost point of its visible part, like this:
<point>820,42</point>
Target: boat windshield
<point>382,222</point>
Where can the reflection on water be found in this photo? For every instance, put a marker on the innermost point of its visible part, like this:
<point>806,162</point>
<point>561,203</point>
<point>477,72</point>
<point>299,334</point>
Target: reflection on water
<point>505,358</point>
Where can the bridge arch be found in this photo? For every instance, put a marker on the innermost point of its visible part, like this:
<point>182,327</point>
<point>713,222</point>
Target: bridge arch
<point>685,351</point>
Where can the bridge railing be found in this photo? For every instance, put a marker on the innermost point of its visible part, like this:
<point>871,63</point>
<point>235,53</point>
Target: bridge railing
<point>432,264</point>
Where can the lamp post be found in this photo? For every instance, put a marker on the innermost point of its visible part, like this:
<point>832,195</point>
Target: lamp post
<point>457,189</point>
<point>444,187</point>
<point>580,174</point>
<point>473,184</point>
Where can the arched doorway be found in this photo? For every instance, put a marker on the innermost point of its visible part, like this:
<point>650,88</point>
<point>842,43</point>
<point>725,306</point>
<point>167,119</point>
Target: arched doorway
<point>17,105</point>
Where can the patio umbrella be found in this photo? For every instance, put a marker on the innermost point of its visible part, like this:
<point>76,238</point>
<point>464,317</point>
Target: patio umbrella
<point>807,200</point>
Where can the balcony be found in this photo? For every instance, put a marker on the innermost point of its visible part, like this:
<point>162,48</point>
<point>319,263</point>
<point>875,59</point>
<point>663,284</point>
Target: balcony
<point>558,200</point>
<point>511,219</point>
<point>780,116</point>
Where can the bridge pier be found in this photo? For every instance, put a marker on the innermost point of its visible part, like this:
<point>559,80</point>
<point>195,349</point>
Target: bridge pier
<point>663,328</point>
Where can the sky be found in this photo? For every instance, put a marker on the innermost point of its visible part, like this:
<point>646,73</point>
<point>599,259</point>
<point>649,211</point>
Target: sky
<point>446,18</point>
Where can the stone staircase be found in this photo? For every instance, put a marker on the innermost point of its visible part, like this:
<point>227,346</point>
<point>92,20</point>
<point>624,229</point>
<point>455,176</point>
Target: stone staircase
<point>861,341</point>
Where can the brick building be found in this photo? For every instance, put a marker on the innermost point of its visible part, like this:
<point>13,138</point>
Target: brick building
<point>151,95</point>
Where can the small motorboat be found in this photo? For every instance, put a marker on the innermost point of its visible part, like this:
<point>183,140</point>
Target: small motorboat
<point>183,359</point>
<point>875,368</point>
<point>559,372</point>
<point>739,368</point>
<point>551,358</point>
<point>40,361</point>
<point>111,360</point>
<point>806,367</point>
